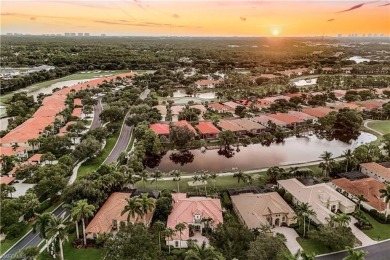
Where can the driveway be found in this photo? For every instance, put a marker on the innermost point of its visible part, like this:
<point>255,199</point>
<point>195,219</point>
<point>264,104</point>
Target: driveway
<point>366,240</point>
<point>291,237</point>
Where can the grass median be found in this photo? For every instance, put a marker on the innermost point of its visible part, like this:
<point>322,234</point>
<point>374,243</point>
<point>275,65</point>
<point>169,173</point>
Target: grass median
<point>94,163</point>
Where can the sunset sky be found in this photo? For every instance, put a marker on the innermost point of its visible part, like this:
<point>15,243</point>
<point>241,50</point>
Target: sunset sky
<point>197,18</point>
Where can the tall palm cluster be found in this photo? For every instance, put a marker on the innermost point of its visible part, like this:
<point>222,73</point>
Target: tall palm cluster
<point>54,230</point>
<point>140,206</point>
<point>304,213</point>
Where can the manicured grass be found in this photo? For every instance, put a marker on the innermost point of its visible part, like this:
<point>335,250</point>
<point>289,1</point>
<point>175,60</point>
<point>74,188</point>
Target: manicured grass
<point>381,231</point>
<point>312,246</point>
<point>382,126</point>
<point>94,163</point>
<point>222,182</point>
<point>75,76</point>
<point>7,243</point>
<point>72,253</point>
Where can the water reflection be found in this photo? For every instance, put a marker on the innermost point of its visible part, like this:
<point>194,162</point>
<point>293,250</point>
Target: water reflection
<point>293,150</point>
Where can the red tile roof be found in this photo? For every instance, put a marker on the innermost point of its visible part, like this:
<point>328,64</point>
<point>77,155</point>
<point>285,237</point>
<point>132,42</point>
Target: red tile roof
<point>317,111</point>
<point>207,128</point>
<point>77,102</point>
<point>184,123</point>
<point>301,115</point>
<point>6,180</point>
<point>184,210</point>
<point>35,158</point>
<point>289,119</point>
<point>377,169</point>
<point>230,125</point>
<point>63,129</point>
<point>264,119</point>
<point>9,151</point>
<point>111,210</point>
<point>77,112</point>
<point>369,187</point>
<point>221,107</point>
<point>160,129</point>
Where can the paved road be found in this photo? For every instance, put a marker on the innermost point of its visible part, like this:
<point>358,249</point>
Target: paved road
<point>379,251</point>
<point>124,137</point>
<point>96,118</point>
<point>31,239</point>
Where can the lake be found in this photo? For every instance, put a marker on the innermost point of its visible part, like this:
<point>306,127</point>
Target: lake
<point>255,156</point>
<point>181,93</point>
<point>358,59</point>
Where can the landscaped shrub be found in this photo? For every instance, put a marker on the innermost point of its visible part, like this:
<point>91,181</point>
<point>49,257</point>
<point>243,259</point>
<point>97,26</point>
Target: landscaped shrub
<point>380,217</point>
<point>15,229</point>
<point>177,252</point>
<point>226,202</point>
<point>43,206</point>
<point>288,197</point>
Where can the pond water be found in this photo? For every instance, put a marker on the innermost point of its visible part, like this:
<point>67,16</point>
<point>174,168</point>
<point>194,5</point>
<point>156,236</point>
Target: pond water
<point>358,59</point>
<point>49,89</point>
<point>305,82</point>
<point>292,151</point>
<point>181,93</point>
<point>4,123</point>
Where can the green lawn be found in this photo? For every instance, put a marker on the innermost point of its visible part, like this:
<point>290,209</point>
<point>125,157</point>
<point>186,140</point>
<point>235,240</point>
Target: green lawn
<point>223,182</point>
<point>75,76</point>
<point>91,165</point>
<point>71,253</point>
<point>7,243</point>
<point>382,126</point>
<point>381,231</point>
<point>312,246</point>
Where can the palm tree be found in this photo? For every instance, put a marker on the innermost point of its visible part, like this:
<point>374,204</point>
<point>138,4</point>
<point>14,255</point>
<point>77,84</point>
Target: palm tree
<point>156,175</point>
<point>132,179</point>
<point>168,233</point>
<point>240,175</point>
<point>204,178</point>
<point>207,222</point>
<point>293,171</point>
<point>343,219</point>
<point>133,206</point>
<point>385,194</point>
<point>202,252</point>
<point>146,205</point>
<point>355,255</point>
<point>159,227</point>
<point>195,180</point>
<point>359,199</point>
<point>144,177</point>
<point>304,211</point>
<point>41,224</point>
<point>213,178</point>
<point>179,228</point>
<point>305,256</point>
<point>327,163</point>
<point>58,228</point>
<point>82,210</point>
<point>33,142</point>
<point>176,177</point>
<point>348,155</point>
<point>76,220</point>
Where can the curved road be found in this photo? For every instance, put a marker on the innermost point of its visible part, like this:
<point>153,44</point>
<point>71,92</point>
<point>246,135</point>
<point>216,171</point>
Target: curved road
<point>31,238</point>
<point>96,118</point>
<point>124,137</point>
<point>379,251</point>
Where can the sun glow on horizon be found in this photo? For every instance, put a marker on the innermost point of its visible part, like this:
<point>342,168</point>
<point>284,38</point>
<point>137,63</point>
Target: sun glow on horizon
<point>275,32</point>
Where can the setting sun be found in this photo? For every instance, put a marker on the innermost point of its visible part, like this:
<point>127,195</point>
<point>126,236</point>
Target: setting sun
<point>275,32</point>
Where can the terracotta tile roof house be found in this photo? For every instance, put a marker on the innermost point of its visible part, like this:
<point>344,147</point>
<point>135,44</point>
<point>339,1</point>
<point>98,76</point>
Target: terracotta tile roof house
<point>160,129</point>
<point>207,130</point>
<point>368,187</point>
<point>376,171</point>
<point>220,108</point>
<point>348,105</point>
<point>77,112</point>
<point>264,119</point>
<point>255,210</point>
<point>317,111</point>
<point>36,158</point>
<point>201,108</point>
<point>339,93</point>
<point>31,128</point>
<point>176,109</point>
<point>231,104</point>
<point>301,115</point>
<point>231,126</point>
<point>207,83</point>
<point>273,99</point>
<point>191,211</point>
<point>324,200</point>
<point>261,102</point>
<point>249,125</point>
<point>290,120</point>
<point>184,123</point>
<point>370,104</point>
<point>63,130</point>
<point>290,95</point>
<point>77,102</point>
<point>108,218</point>
<point>20,152</point>
<point>7,180</point>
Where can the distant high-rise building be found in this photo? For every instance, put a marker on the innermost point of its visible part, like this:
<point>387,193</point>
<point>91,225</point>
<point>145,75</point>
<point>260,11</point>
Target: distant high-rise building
<point>86,34</point>
<point>67,34</point>
<point>9,33</point>
<point>72,34</point>
<point>103,35</point>
<point>80,34</point>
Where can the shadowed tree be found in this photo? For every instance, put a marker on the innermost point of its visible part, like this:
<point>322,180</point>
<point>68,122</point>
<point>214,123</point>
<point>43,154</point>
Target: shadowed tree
<point>180,228</point>
<point>58,229</point>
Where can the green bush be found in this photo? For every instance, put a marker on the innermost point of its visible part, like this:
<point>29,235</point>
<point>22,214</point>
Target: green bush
<point>15,229</point>
<point>177,252</point>
<point>43,206</point>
